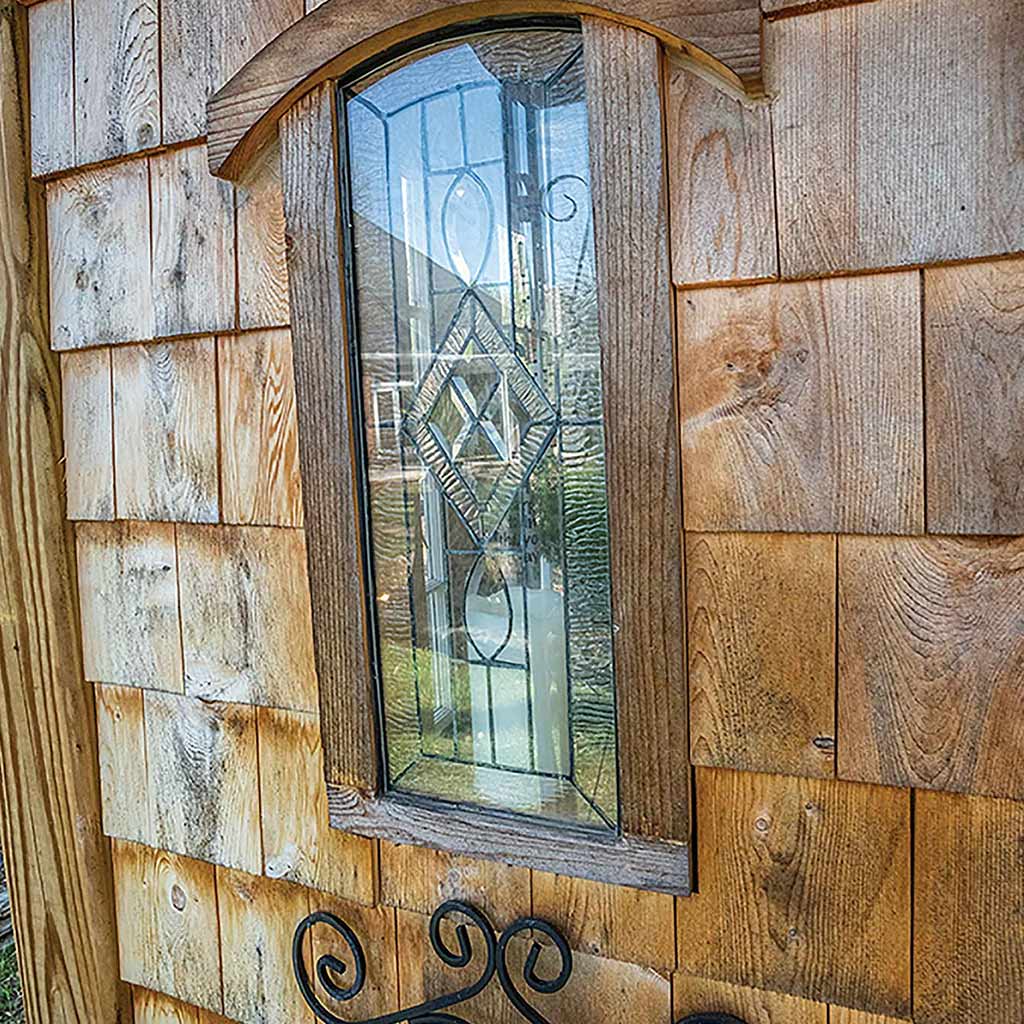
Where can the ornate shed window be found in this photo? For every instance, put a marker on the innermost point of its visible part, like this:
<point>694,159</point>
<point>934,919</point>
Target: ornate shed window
<point>474,297</point>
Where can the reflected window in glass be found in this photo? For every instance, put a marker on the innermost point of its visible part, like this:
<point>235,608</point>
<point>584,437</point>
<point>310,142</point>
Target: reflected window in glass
<point>475,313</point>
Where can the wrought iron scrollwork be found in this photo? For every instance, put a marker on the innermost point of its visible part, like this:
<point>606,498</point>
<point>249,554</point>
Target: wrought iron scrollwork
<point>330,970</point>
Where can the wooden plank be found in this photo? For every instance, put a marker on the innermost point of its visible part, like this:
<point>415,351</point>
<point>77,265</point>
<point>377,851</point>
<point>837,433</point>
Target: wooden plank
<point>857,187</point>
<point>88,433</point>
<point>262,265</point>
<point>100,288</point>
<point>51,86</point>
<point>974,329</point>
<point>58,863</point>
<point>245,616</point>
<point>599,991</point>
<point>203,772</point>
<point>802,406</point>
<point>323,395</point>
<point>340,34</point>
<point>658,865</point>
<point>259,444</point>
<point>968,916</point>
<point>804,889</point>
<point>128,584</point>
<point>642,455</point>
<point>258,917</point>
<point>755,1006</point>
<point>193,245</point>
<point>721,182</point>
<point>842,1015</point>
<point>762,630</point>
<point>165,431</point>
<point>931,653</point>
<point>167,924</point>
<point>154,1008</point>
<point>299,844</point>
<point>124,783</point>
<point>609,921</point>
<point>420,879</point>
<point>117,87</point>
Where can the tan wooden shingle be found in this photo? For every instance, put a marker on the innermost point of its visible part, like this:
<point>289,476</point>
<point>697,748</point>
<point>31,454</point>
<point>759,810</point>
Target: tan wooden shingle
<point>193,245</point>
<point>124,785</point>
<point>155,1008</point>
<point>245,616</point>
<point>931,656</point>
<point>88,433</point>
<point>128,590</point>
<point>974,385</point>
<point>51,86</point>
<point>802,406</point>
<point>968,912</point>
<point>299,844</point>
<point>117,88</point>
<point>755,1006</point>
<point>204,779</point>
<point>898,133</point>
<point>100,289</point>
<point>762,622</point>
<point>258,430</point>
<point>167,924</point>
<point>804,889</point>
<point>165,431</point>
<point>721,185</point>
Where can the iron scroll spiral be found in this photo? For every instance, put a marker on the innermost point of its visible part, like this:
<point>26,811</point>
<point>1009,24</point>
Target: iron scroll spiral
<point>343,979</point>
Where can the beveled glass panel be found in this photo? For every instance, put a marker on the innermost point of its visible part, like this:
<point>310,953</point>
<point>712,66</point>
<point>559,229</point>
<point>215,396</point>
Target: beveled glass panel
<point>479,356</point>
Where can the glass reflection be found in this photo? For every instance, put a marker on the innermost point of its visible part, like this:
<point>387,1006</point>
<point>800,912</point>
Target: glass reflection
<point>480,363</point>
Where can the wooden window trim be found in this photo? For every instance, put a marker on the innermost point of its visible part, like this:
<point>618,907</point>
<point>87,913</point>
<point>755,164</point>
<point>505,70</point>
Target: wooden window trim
<point>637,341</point>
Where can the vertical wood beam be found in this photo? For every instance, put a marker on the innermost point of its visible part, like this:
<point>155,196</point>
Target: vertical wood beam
<point>58,861</point>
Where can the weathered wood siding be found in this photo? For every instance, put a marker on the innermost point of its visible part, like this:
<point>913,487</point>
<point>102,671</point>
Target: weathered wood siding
<point>851,393</point>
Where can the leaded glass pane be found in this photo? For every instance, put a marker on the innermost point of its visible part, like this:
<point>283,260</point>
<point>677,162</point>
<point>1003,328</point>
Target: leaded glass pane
<point>479,358</point>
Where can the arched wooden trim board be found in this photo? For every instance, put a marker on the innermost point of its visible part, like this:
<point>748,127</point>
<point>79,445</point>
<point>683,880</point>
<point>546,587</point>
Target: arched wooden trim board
<point>341,34</point>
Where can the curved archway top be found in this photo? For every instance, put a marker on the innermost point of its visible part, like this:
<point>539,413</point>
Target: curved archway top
<point>720,38</point>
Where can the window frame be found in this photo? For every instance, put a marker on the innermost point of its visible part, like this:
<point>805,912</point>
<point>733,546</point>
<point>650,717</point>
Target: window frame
<point>623,66</point>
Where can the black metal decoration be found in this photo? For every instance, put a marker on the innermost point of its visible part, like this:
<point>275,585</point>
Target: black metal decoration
<point>329,969</point>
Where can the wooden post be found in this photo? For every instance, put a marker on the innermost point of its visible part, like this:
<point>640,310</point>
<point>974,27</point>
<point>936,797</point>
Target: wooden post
<point>58,861</point>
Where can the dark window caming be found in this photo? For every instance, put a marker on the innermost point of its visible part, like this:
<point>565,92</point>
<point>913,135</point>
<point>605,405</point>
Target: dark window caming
<point>479,357</point>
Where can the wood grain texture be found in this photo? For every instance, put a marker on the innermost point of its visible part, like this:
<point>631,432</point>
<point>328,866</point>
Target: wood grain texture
<point>657,865</point>
<point>323,395</point>
<point>257,919</point>
<point>88,433</point>
<point>974,386</point>
<point>193,245</point>
<point>754,1006</point>
<point>259,444</point>
<point>203,771</point>
<point>117,85</point>
<point>843,1015</point>
<point>100,288</point>
<point>874,170</point>
<point>51,86</point>
<point>128,586</point>
<point>802,407</point>
<point>968,915</point>
<point>154,1008</point>
<point>721,182</point>
<point>609,921</point>
<point>262,264</point>
<point>642,456</point>
<point>57,862</point>
<point>124,782</point>
<point>931,653</point>
<point>599,991</point>
<point>165,431</point>
<point>762,629</point>
<point>167,924</point>
<point>298,843</point>
<point>245,616</point>
<point>340,34</point>
<point>420,879</point>
<point>804,889</point>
